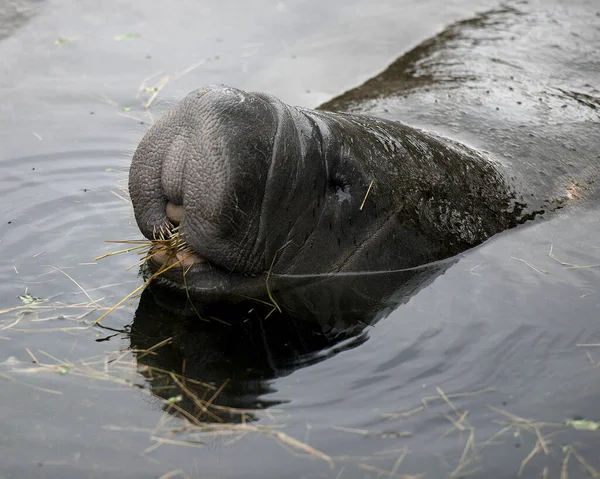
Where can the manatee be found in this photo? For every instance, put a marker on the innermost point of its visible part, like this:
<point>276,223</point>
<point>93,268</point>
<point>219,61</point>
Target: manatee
<point>489,124</point>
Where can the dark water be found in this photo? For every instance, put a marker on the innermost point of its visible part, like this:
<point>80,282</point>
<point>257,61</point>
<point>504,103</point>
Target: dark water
<point>505,322</point>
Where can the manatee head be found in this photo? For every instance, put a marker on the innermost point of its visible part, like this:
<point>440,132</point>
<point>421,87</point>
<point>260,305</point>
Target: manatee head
<point>258,188</point>
<point>252,188</point>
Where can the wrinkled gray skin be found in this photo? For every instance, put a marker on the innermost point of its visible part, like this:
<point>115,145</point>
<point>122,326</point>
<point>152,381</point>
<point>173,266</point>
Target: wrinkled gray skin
<point>269,187</point>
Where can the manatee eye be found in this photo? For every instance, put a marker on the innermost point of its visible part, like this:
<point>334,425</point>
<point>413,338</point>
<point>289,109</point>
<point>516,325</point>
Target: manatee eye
<point>339,185</point>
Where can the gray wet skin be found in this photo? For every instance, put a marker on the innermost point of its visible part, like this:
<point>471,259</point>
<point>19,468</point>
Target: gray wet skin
<point>257,178</point>
<point>259,185</point>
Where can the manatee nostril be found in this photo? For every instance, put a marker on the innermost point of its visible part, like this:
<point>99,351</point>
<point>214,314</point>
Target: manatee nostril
<point>174,213</point>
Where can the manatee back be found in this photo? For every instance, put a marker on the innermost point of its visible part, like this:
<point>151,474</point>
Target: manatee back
<point>520,82</point>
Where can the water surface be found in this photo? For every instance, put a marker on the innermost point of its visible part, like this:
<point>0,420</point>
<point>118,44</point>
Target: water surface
<point>504,323</point>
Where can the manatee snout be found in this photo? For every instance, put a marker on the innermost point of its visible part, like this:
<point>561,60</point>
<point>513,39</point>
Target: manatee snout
<point>203,167</point>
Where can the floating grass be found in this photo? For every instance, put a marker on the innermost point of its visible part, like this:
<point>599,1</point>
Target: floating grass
<point>471,451</point>
<point>39,310</point>
<point>570,265</point>
<point>166,240</point>
<point>181,427</point>
<point>532,266</point>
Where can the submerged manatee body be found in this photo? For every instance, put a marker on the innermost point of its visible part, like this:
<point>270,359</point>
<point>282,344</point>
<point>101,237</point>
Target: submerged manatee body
<point>258,188</point>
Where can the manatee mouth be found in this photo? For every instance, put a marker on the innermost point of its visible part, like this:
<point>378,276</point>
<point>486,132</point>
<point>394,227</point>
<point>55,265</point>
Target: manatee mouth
<point>184,259</point>
<point>183,270</point>
<point>179,268</point>
<point>172,256</point>
<point>175,252</point>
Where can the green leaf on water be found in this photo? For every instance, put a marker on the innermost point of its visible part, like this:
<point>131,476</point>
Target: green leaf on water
<point>65,369</point>
<point>28,299</point>
<point>126,36</point>
<point>126,108</point>
<point>61,41</point>
<point>583,424</point>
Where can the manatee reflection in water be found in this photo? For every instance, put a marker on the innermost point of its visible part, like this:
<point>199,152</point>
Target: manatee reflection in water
<point>229,353</point>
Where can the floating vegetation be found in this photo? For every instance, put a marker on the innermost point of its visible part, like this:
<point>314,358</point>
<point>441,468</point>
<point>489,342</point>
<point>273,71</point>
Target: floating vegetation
<point>178,426</point>
<point>37,310</point>
<point>126,36</point>
<point>192,417</point>
<point>61,41</point>
<point>149,89</point>
<point>570,265</point>
<point>583,424</point>
<point>28,299</point>
<point>167,241</point>
<point>533,267</point>
<point>510,422</point>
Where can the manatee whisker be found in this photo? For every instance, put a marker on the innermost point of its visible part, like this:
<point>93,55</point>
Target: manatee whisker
<point>161,233</point>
